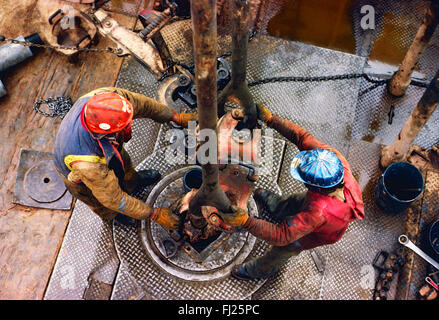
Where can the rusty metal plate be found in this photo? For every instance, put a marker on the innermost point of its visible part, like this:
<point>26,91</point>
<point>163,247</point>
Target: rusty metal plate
<point>43,184</point>
<point>38,184</point>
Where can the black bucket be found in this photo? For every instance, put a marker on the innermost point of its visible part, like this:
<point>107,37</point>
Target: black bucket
<point>400,185</point>
<point>192,179</point>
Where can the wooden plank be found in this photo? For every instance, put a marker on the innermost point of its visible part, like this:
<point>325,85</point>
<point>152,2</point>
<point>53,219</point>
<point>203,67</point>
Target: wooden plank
<point>30,238</point>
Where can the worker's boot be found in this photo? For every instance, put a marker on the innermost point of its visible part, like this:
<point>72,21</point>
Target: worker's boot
<point>269,200</point>
<point>142,179</point>
<point>267,265</point>
<point>148,177</point>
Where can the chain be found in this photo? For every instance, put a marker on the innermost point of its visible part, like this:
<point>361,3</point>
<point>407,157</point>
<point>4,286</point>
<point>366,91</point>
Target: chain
<point>59,106</point>
<point>376,82</point>
<point>112,50</point>
<point>306,79</point>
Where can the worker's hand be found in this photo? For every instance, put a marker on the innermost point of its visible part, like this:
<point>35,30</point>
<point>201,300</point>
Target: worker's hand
<point>182,119</point>
<point>236,219</point>
<point>263,113</point>
<point>166,218</point>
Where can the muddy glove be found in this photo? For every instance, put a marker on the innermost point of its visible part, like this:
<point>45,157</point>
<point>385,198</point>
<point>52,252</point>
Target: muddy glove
<point>182,119</point>
<point>166,218</point>
<point>263,113</point>
<point>236,219</point>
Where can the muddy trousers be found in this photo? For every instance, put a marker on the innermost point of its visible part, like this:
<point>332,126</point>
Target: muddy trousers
<point>82,193</point>
<point>269,264</point>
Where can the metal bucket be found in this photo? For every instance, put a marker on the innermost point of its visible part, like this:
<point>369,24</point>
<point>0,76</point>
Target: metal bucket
<point>400,185</point>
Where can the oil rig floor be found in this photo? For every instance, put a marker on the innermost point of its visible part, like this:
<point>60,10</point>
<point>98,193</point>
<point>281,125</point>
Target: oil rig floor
<point>111,260</point>
<point>56,254</point>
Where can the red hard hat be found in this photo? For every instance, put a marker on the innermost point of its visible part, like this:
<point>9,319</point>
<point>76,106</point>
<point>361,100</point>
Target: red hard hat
<point>107,113</point>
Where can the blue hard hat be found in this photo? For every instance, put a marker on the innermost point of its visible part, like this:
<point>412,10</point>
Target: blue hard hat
<point>318,167</point>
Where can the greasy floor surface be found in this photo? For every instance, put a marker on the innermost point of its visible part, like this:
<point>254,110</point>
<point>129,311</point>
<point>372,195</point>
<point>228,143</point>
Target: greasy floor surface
<point>346,114</point>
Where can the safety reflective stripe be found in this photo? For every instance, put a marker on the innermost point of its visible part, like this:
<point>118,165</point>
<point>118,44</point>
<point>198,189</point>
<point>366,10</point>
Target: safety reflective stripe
<point>68,160</point>
<point>122,203</point>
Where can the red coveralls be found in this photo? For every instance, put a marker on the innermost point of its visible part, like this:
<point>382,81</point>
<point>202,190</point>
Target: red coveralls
<point>321,219</point>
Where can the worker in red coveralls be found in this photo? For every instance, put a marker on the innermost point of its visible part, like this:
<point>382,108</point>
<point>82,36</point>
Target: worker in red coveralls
<point>314,218</point>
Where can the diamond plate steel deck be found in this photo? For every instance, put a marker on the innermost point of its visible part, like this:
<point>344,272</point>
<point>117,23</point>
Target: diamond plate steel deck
<point>88,246</point>
<point>348,271</point>
<point>371,119</point>
<point>281,58</point>
<point>329,110</point>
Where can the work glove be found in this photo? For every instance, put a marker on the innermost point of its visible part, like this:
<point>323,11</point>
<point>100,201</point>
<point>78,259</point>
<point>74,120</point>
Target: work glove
<point>182,119</point>
<point>263,113</point>
<point>236,219</point>
<point>166,218</point>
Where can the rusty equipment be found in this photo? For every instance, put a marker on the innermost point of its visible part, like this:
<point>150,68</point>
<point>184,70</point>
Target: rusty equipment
<point>129,42</point>
<point>70,29</point>
<point>419,117</point>
<point>203,14</point>
<point>73,31</point>
<point>181,86</point>
<point>38,184</point>
<point>237,90</point>
<point>205,48</point>
<point>401,79</point>
<point>388,265</point>
<point>237,150</point>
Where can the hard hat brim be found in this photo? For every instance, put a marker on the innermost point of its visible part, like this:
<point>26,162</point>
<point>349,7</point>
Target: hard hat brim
<point>296,175</point>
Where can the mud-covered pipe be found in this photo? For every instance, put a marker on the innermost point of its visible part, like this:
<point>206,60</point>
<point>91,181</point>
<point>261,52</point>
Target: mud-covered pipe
<point>420,115</point>
<point>204,28</point>
<point>237,89</point>
<point>401,79</point>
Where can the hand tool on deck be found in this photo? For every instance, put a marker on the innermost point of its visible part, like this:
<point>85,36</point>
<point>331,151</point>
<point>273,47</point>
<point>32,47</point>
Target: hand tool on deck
<point>432,283</point>
<point>404,240</point>
<point>12,54</point>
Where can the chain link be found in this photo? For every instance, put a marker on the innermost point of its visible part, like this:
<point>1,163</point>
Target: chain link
<point>112,50</point>
<point>59,106</point>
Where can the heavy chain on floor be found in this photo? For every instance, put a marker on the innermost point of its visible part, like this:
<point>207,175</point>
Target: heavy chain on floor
<point>59,106</point>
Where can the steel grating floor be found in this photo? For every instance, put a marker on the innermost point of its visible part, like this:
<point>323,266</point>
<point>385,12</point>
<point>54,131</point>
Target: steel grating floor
<point>337,112</point>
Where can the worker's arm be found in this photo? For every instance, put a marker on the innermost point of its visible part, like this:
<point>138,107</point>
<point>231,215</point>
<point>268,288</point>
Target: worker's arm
<point>104,185</point>
<point>290,230</point>
<point>294,133</point>
<point>145,107</point>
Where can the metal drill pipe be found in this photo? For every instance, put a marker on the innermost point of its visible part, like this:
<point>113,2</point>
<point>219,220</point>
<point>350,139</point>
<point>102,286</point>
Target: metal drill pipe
<point>204,28</point>
<point>239,42</point>
<point>401,79</point>
<point>237,90</point>
<point>420,115</point>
